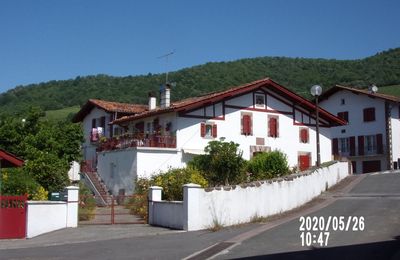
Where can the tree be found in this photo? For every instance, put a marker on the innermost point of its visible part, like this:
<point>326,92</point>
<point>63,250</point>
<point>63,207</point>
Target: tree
<point>223,163</point>
<point>47,147</point>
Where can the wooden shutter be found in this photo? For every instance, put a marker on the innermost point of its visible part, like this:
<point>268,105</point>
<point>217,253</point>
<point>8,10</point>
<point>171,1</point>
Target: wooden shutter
<point>352,146</point>
<point>202,129</point>
<point>335,146</point>
<point>103,124</point>
<point>272,125</point>
<point>379,143</point>
<point>304,135</point>
<point>94,123</point>
<point>246,124</point>
<point>361,145</point>
<point>214,131</point>
<point>369,114</point>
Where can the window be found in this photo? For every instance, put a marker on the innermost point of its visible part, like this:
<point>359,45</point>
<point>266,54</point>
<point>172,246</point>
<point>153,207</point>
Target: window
<point>343,101</point>
<point>273,126</point>
<point>246,124</point>
<point>303,134</point>
<point>370,144</point>
<point>344,115</point>
<point>260,100</point>
<point>344,145</point>
<point>208,130</point>
<point>369,114</point>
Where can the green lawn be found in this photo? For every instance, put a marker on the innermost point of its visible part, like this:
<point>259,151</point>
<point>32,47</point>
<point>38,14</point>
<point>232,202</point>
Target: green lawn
<point>60,114</point>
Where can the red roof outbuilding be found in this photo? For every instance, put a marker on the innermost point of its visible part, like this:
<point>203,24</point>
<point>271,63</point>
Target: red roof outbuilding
<point>9,160</point>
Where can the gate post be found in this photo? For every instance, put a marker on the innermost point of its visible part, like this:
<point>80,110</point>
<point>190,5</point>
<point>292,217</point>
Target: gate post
<point>72,206</point>
<point>154,195</point>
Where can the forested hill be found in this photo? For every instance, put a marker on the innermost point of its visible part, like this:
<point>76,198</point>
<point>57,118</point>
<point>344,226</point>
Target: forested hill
<point>297,74</point>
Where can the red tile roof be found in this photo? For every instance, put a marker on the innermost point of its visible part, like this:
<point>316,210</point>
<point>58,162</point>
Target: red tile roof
<point>195,102</point>
<point>9,160</point>
<point>109,107</point>
<point>337,88</point>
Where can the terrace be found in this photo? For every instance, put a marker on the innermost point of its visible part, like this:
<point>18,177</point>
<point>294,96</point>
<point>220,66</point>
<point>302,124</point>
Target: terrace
<point>137,140</point>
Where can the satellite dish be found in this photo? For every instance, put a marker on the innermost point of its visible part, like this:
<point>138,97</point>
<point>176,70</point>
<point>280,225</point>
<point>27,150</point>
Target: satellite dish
<point>373,89</point>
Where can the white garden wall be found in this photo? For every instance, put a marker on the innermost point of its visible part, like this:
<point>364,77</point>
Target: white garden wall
<point>47,216</point>
<point>237,204</point>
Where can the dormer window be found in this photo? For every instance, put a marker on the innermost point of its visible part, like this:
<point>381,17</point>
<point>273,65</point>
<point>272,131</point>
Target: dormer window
<point>259,100</point>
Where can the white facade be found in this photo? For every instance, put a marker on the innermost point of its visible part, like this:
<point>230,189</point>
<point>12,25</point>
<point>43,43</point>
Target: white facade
<point>194,128</point>
<point>88,147</point>
<point>375,155</point>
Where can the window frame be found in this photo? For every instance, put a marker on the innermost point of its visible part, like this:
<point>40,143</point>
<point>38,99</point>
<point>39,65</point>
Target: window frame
<point>276,126</point>
<point>307,140</point>
<point>369,114</point>
<point>256,104</point>
<point>242,128</point>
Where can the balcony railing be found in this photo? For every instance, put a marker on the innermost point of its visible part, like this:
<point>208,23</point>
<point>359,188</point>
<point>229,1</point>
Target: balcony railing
<point>373,151</point>
<point>137,140</point>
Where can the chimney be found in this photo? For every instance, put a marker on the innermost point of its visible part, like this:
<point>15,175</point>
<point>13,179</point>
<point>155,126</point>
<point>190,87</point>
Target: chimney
<point>373,89</point>
<point>165,94</point>
<point>152,101</point>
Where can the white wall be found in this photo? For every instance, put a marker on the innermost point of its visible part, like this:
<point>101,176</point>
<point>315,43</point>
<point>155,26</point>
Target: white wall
<point>169,214</point>
<point>239,204</point>
<point>89,150</point>
<point>119,168</point>
<point>47,216</point>
<point>395,133</point>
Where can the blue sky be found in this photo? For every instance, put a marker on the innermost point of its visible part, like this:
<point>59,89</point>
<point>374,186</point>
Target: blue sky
<point>55,40</point>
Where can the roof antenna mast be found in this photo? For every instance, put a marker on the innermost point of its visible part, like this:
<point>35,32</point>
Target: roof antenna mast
<point>166,56</point>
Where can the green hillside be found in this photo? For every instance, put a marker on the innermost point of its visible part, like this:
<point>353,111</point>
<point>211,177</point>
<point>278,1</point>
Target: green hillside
<point>59,114</point>
<point>297,74</point>
<point>390,90</point>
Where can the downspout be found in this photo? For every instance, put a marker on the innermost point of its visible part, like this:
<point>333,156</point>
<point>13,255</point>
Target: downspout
<point>388,116</point>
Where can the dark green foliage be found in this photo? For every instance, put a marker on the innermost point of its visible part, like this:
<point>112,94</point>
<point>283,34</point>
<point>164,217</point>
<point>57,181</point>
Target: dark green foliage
<point>297,74</point>
<point>14,181</point>
<point>223,163</point>
<point>87,203</point>
<point>173,180</point>
<point>48,148</point>
<point>268,165</point>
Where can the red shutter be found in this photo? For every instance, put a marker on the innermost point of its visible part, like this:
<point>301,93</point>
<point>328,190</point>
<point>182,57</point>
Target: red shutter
<point>103,124</point>
<point>214,131</point>
<point>352,146</point>
<point>335,146</point>
<point>94,123</point>
<point>273,131</point>
<point>246,124</point>
<point>379,143</point>
<point>202,129</point>
<point>346,116</point>
<point>304,135</point>
<point>361,145</point>
<point>369,114</point>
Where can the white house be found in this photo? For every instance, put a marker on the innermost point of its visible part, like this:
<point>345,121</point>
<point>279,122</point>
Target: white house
<point>371,137</point>
<point>95,116</point>
<point>259,116</point>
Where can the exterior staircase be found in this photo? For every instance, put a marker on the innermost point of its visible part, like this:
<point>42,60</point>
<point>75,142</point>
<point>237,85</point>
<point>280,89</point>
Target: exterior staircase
<point>93,180</point>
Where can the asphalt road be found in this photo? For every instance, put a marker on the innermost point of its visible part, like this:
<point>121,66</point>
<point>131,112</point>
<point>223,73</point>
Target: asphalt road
<point>376,198</point>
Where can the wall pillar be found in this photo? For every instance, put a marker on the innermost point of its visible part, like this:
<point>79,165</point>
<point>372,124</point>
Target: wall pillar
<point>154,195</point>
<point>72,206</point>
<point>191,214</point>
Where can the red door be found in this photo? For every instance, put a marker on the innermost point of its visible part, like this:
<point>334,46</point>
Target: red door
<point>12,216</point>
<point>304,162</point>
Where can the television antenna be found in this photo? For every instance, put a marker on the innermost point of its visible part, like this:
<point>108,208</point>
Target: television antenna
<point>166,56</point>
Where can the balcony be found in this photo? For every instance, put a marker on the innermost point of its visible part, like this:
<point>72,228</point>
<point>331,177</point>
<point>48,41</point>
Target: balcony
<point>365,152</point>
<point>137,140</point>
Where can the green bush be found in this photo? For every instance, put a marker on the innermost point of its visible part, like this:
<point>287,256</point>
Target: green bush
<point>14,181</point>
<point>268,165</point>
<point>223,163</point>
<point>173,180</point>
